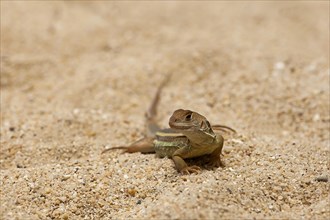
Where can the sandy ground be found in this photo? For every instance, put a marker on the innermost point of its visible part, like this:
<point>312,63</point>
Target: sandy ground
<point>76,78</point>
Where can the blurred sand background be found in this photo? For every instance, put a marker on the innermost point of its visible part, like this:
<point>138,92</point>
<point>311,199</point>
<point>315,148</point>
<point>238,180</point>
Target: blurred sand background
<point>77,77</point>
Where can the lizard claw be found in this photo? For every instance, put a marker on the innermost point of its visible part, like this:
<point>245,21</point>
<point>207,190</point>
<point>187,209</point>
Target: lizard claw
<point>216,162</point>
<point>190,170</point>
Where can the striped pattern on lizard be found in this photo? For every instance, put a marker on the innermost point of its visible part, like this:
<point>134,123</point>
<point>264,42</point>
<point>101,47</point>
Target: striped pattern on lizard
<point>190,135</point>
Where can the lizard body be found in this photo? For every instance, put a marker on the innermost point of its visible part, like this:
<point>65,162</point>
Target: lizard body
<point>190,135</point>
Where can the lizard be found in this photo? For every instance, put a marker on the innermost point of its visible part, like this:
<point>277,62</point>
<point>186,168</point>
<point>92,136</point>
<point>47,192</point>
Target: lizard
<point>190,135</point>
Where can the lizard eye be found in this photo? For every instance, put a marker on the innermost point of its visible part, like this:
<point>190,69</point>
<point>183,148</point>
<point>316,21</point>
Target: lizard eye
<point>188,117</point>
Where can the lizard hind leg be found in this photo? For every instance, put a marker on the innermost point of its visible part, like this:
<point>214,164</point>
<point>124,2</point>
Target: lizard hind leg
<point>223,128</point>
<point>144,145</point>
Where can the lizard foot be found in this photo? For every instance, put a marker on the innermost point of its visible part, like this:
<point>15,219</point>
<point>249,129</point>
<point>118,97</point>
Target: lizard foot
<point>216,162</point>
<point>191,169</point>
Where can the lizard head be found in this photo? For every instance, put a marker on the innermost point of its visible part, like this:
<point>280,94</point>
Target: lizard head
<point>191,124</point>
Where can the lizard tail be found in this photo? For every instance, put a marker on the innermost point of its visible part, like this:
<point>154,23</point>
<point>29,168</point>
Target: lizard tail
<point>144,145</point>
<point>151,114</point>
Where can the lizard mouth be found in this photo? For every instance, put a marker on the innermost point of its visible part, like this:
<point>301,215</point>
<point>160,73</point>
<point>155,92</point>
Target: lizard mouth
<point>179,126</point>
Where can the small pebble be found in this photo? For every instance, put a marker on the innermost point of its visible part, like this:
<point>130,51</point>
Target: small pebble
<point>131,192</point>
<point>76,111</point>
<point>279,66</point>
<point>322,179</point>
<point>316,117</point>
<point>65,177</point>
<point>237,141</point>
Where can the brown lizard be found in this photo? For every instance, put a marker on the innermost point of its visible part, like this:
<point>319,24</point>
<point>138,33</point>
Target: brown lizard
<point>190,135</point>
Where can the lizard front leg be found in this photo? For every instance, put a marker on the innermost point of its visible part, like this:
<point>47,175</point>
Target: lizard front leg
<point>215,156</point>
<point>180,164</point>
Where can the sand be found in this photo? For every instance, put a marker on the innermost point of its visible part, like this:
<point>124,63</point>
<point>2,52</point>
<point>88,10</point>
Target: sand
<point>77,78</point>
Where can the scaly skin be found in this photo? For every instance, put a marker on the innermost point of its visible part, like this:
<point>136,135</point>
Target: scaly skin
<point>202,139</point>
<point>190,135</point>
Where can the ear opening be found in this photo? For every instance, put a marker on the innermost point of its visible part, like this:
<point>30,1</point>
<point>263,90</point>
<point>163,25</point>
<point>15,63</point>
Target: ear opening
<point>205,125</point>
